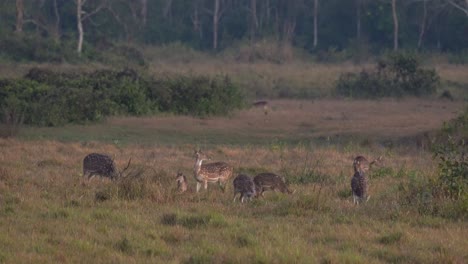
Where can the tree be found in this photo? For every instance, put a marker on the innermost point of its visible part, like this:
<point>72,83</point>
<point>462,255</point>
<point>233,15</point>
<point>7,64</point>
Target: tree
<point>217,13</point>
<point>316,7</point>
<point>461,5</point>
<point>19,16</point>
<point>216,17</point>
<point>358,21</point>
<point>253,19</point>
<point>395,25</point>
<point>81,16</point>
<point>422,28</point>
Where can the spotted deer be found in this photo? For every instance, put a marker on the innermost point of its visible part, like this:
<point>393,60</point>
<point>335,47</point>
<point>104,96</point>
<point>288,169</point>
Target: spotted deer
<point>261,104</point>
<point>270,181</point>
<point>245,186</point>
<point>360,187</point>
<point>102,165</point>
<point>181,182</point>
<point>219,172</point>
<point>361,164</point>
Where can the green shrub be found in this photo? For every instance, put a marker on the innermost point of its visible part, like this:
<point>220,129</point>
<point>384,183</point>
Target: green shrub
<point>196,95</point>
<point>49,98</point>
<point>451,155</point>
<point>395,76</point>
<point>445,195</point>
<point>453,167</point>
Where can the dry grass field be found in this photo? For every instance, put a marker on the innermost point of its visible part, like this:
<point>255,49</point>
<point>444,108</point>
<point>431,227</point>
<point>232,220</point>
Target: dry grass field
<point>288,121</point>
<point>49,214</point>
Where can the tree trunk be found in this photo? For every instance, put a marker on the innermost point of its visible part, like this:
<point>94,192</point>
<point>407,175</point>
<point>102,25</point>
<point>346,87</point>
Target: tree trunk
<point>215,24</point>
<point>253,20</point>
<point>422,29</point>
<point>167,9</point>
<point>196,22</point>
<point>144,11</point>
<point>19,16</point>
<point>56,33</point>
<point>395,26</point>
<point>315,23</point>
<point>79,21</point>
<point>358,21</point>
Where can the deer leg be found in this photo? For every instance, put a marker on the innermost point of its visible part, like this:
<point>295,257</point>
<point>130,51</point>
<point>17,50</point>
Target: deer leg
<point>198,186</point>
<point>222,186</point>
<point>206,184</point>
<point>90,176</point>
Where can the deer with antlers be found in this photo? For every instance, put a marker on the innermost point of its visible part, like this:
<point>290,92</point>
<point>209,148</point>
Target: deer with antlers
<point>102,165</point>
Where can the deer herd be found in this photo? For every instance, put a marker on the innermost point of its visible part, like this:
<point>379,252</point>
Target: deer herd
<point>221,172</point>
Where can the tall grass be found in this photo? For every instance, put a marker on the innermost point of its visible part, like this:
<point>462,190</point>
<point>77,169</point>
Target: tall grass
<point>49,213</point>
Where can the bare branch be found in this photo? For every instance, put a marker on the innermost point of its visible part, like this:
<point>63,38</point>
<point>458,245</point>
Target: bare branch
<point>459,6</point>
<point>99,8</point>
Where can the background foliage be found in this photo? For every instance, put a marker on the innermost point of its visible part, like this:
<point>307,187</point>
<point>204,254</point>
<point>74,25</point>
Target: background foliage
<point>49,28</point>
<point>49,98</point>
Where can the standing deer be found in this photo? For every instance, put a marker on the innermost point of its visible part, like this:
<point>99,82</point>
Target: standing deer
<point>270,181</point>
<point>244,185</point>
<point>360,187</point>
<point>361,164</point>
<point>181,182</point>
<point>102,165</point>
<point>219,172</point>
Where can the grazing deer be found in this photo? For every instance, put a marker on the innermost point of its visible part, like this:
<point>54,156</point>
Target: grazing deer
<point>219,172</point>
<point>181,182</point>
<point>361,164</point>
<point>270,181</point>
<point>244,185</point>
<point>263,104</point>
<point>102,165</point>
<point>360,187</point>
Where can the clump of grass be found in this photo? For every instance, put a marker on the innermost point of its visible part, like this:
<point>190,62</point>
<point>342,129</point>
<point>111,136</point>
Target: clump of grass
<point>344,193</point>
<point>244,240</point>
<point>391,238</point>
<point>301,204</point>
<point>49,163</point>
<point>169,219</point>
<point>125,246</point>
<point>382,172</point>
<point>133,186</point>
<point>194,221</point>
<point>175,236</point>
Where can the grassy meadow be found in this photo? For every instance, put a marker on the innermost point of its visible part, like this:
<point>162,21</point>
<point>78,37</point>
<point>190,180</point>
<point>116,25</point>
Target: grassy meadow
<point>48,213</point>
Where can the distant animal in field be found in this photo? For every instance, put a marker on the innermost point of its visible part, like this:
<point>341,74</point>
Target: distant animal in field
<point>261,104</point>
<point>270,181</point>
<point>360,187</point>
<point>102,165</point>
<point>181,182</point>
<point>216,172</point>
<point>245,186</point>
<point>360,163</point>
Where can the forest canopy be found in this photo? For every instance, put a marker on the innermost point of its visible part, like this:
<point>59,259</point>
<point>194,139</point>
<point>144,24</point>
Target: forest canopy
<point>316,26</point>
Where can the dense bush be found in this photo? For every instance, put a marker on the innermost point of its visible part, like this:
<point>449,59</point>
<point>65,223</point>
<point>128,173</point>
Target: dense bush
<point>395,76</point>
<point>450,152</point>
<point>48,98</point>
<point>447,193</point>
<point>197,95</point>
<point>453,167</point>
